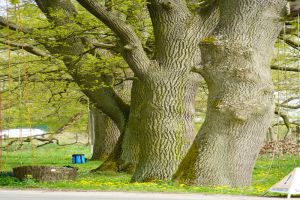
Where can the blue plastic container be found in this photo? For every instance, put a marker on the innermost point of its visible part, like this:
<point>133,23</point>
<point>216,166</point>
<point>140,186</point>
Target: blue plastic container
<point>78,159</point>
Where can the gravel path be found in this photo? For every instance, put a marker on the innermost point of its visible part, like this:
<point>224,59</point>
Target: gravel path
<point>49,195</point>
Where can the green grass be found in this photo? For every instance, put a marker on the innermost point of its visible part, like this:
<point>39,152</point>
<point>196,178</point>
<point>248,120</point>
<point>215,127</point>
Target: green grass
<point>263,176</point>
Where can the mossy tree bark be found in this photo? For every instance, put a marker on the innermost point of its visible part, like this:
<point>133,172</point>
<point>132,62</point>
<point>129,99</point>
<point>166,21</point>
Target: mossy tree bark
<point>125,155</point>
<point>130,146</point>
<point>105,134</point>
<point>236,67</point>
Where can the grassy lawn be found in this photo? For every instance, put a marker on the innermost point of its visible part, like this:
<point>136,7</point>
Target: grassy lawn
<point>263,176</point>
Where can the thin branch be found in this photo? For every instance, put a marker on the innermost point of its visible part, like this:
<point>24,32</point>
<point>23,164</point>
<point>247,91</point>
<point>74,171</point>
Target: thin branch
<point>70,122</point>
<point>282,124</point>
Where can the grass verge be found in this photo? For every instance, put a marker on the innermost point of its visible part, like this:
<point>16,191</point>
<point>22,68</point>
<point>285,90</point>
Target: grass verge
<point>264,176</point>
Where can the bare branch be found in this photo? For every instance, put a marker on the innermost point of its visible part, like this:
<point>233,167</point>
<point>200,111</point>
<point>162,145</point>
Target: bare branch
<point>70,122</point>
<point>285,103</point>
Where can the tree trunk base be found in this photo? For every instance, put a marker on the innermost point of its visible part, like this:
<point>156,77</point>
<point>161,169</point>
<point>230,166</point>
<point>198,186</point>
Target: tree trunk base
<point>128,168</point>
<point>106,166</point>
<point>115,166</point>
<point>94,158</point>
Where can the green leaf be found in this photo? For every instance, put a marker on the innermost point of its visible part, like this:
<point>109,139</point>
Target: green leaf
<point>14,2</point>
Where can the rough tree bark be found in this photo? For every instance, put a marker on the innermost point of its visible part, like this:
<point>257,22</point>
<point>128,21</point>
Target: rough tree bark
<point>236,67</point>
<point>166,125</point>
<point>165,128</point>
<point>130,146</point>
<point>125,155</point>
<point>105,133</point>
<point>116,161</point>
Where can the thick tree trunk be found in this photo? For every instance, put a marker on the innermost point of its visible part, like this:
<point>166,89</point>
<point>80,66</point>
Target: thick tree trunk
<point>105,133</point>
<point>162,118</point>
<point>238,116</point>
<point>125,153</point>
<point>112,162</point>
<point>130,146</point>
<point>240,103</point>
<point>161,122</point>
<point>166,125</point>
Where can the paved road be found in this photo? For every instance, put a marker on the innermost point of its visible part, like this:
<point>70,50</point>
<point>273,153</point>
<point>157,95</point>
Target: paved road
<point>47,195</point>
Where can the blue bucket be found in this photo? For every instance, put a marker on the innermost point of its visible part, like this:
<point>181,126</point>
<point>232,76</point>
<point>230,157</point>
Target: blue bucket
<point>78,159</point>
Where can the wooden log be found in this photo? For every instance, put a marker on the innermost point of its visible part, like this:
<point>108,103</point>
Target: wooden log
<point>45,173</point>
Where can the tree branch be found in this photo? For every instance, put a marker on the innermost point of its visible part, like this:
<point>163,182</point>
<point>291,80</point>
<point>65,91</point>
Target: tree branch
<point>12,26</point>
<point>133,51</point>
<point>106,46</point>
<point>69,123</point>
<point>289,106</point>
<point>124,32</point>
<point>27,47</point>
<point>289,41</point>
<point>289,69</point>
<point>289,100</point>
<point>105,98</point>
